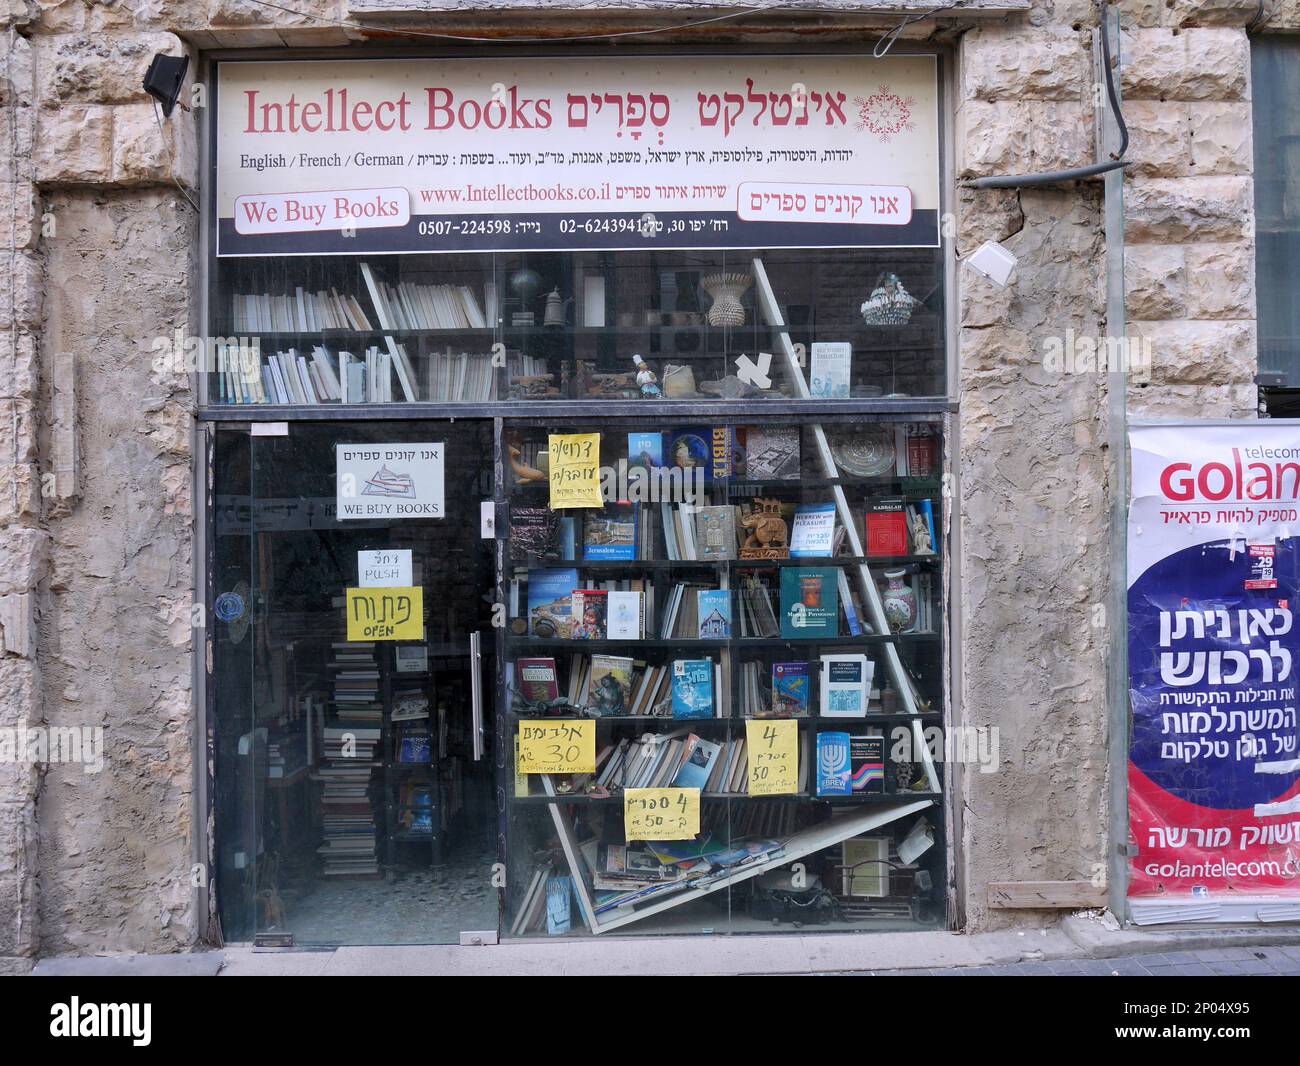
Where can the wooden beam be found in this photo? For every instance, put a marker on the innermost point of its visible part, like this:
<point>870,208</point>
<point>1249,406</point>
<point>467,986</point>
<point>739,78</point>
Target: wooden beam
<point>1040,895</point>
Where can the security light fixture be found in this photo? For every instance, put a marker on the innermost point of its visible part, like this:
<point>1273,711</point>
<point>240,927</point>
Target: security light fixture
<point>163,80</point>
<point>994,262</point>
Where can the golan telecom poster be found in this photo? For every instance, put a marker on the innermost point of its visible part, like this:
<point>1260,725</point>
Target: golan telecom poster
<point>1214,808</point>
<point>343,157</point>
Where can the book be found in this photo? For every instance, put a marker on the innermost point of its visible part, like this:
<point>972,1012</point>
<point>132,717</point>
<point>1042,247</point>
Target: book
<point>772,454</point>
<point>867,763</point>
<point>625,619</point>
<point>691,448</point>
<point>722,453</point>
<point>922,450</point>
<point>926,507</point>
<point>830,366</point>
<point>590,614</point>
<point>645,451</point>
<point>810,605</point>
<point>559,896</point>
<point>550,602</point>
<point>833,765</point>
<point>610,533</point>
<point>715,532</point>
<point>791,689</point>
<point>611,685</point>
<point>845,685</point>
<point>701,755</point>
<point>693,688</point>
<point>536,680</point>
<point>534,531</point>
<point>714,610</point>
<point>886,527</point>
<point>813,532</point>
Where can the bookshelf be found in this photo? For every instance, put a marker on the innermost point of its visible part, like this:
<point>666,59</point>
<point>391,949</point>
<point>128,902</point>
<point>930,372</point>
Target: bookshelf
<point>481,328</point>
<point>573,820</point>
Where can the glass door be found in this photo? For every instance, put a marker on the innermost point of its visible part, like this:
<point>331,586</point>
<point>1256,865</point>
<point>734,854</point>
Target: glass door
<point>368,594</point>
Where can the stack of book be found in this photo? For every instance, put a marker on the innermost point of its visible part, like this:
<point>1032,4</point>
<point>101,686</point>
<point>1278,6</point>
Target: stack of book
<point>411,306</point>
<point>306,312</point>
<point>356,681</point>
<point>347,810</point>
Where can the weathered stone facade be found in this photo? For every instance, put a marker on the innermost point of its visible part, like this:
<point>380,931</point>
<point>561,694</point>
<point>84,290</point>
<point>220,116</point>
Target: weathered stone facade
<point>96,456</point>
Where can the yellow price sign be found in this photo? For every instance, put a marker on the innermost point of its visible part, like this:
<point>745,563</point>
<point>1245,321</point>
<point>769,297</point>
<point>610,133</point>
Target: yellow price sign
<point>386,613</point>
<point>575,470</point>
<point>773,750</point>
<point>661,813</point>
<point>557,746</point>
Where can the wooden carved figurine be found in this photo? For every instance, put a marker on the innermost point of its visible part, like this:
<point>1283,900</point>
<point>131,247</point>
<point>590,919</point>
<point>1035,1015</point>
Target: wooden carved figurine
<point>767,537</point>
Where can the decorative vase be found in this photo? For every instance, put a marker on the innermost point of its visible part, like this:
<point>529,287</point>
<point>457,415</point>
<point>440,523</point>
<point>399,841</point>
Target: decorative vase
<point>899,602</point>
<point>726,290</point>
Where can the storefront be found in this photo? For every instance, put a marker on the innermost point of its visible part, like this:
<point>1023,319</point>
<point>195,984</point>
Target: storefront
<point>577,524</point>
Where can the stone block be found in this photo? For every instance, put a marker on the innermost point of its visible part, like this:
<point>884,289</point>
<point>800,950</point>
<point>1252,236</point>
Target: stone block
<point>22,289</point>
<point>74,144</point>
<point>1012,63</point>
<point>144,154</point>
<point>1005,137</point>
<point>99,68</point>
<point>1221,280</point>
<point>1160,141</point>
<point>23,558</point>
<point>1188,352</point>
<point>1221,141</point>
<point>19,922</point>
<point>1196,64</point>
<point>20,208</point>
<point>1210,12</point>
<point>1155,281</point>
<point>1188,209</point>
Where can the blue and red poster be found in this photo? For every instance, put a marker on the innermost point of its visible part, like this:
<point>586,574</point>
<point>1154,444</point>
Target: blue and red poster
<point>1213,585</point>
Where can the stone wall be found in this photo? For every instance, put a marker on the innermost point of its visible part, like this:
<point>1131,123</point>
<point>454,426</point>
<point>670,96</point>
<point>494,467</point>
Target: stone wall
<point>95,460</point>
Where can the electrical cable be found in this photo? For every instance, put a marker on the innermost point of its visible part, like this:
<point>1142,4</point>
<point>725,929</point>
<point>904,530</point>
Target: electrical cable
<point>171,163</point>
<point>403,32</point>
<point>1055,177</point>
<point>888,40</point>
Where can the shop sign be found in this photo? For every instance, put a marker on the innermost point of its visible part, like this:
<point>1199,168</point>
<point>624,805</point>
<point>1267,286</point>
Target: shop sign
<point>1213,580</point>
<point>557,746</point>
<point>385,613</point>
<point>389,481</point>
<point>346,157</point>
<point>661,813</point>
<point>387,568</point>
<point>773,748</point>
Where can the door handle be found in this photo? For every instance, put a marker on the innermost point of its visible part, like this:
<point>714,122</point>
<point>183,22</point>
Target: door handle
<point>476,693</point>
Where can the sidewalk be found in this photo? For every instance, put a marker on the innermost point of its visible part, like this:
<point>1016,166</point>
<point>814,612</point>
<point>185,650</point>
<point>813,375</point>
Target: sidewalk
<point>1080,944</point>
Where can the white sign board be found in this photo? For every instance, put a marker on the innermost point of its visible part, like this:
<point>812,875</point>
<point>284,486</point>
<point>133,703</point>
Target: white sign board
<point>389,481</point>
<point>384,569</point>
<point>347,157</point>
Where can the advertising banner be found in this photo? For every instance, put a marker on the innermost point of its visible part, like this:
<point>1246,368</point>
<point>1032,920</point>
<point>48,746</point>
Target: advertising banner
<point>1213,578</point>
<point>339,157</point>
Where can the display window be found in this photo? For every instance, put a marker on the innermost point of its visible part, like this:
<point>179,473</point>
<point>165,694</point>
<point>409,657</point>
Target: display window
<point>577,572</point>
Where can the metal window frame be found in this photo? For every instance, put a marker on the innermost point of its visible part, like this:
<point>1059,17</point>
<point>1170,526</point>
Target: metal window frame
<point>942,409</point>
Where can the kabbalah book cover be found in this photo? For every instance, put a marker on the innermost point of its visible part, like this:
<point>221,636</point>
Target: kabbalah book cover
<point>810,602</point>
<point>693,688</point>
